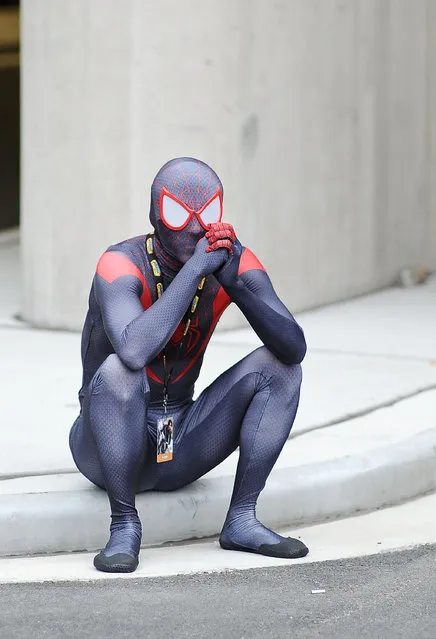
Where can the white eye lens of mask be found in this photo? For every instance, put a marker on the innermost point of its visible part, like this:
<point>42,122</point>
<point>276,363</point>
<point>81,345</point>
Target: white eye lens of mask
<point>174,214</point>
<point>212,212</point>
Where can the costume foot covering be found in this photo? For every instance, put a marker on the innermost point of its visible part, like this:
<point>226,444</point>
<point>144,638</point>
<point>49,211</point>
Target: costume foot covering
<point>288,548</point>
<point>251,536</point>
<point>122,550</point>
<point>121,562</point>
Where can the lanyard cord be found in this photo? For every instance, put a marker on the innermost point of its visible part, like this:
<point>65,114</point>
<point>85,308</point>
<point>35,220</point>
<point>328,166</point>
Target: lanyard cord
<point>187,318</point>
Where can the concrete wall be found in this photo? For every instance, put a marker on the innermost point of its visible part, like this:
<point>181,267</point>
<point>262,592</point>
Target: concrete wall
<point>319,115</point>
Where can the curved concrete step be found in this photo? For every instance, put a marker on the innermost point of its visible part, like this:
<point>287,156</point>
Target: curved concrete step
<point>362,464</point>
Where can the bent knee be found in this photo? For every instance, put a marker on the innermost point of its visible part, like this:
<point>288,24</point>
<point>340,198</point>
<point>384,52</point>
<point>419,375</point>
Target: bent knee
<point>270,365</point>
<point>115,377</point>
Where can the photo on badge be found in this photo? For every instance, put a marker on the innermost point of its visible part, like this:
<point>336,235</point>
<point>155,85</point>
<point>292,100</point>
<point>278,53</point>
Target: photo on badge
<point>165,439</point>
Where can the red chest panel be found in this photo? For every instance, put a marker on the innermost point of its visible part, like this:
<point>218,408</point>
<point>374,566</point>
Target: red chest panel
<point>213,303</point>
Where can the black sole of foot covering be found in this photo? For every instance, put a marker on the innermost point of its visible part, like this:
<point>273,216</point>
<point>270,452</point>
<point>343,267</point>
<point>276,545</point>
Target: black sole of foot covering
<point>280,550</point>
<point>116,563</point>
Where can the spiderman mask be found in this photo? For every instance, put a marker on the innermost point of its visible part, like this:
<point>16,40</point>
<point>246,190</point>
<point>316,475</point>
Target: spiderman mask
<point>186,198</point>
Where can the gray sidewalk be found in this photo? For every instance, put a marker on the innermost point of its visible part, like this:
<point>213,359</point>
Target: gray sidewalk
<point>365,435</point>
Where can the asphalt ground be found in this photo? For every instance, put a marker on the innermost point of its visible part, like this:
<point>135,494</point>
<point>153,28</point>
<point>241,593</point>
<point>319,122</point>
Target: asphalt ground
<point>385,595</point>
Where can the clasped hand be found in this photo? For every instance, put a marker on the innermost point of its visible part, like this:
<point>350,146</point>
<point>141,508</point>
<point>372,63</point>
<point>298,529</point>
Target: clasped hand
<point>221,235</point>
<point>218,252</point>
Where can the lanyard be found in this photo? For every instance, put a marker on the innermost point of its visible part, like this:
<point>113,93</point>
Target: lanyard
<point>187,318</point>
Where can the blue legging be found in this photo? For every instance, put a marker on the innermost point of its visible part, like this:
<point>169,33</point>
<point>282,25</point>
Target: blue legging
<point>113,441</point>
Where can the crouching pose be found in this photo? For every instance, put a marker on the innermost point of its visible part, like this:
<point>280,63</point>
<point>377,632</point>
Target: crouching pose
<point>154,304</point>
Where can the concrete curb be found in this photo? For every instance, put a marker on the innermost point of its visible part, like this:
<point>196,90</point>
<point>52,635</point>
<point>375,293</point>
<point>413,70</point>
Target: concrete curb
<point>73,515</point>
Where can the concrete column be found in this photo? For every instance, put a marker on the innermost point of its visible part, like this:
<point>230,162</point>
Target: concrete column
<point>318,115</point>
<point>112,90</point>
<point>339,95</point>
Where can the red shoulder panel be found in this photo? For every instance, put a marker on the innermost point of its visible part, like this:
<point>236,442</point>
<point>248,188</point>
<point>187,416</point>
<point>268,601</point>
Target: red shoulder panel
<point>112,265</point>
<point>249,262</point>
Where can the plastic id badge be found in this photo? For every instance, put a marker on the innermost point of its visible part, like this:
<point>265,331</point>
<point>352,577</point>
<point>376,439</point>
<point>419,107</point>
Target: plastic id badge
<point>165,439</point>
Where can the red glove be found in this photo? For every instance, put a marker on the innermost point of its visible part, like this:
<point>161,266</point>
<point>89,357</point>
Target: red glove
<point>220,235</point>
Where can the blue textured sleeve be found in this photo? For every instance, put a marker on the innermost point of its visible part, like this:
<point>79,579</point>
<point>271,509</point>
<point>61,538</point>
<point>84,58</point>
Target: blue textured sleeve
<point>138,330</point>
<point>254,294</point>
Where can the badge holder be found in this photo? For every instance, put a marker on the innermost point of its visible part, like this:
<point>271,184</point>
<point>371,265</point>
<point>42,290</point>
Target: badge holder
<point>165,427</point>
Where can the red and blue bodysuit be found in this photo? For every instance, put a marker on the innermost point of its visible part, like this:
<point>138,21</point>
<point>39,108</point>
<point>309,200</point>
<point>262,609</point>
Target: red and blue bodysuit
<point>137,334</point>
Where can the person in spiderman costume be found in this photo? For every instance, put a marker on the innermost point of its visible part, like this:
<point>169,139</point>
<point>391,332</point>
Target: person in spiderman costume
<point>133,340</point>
